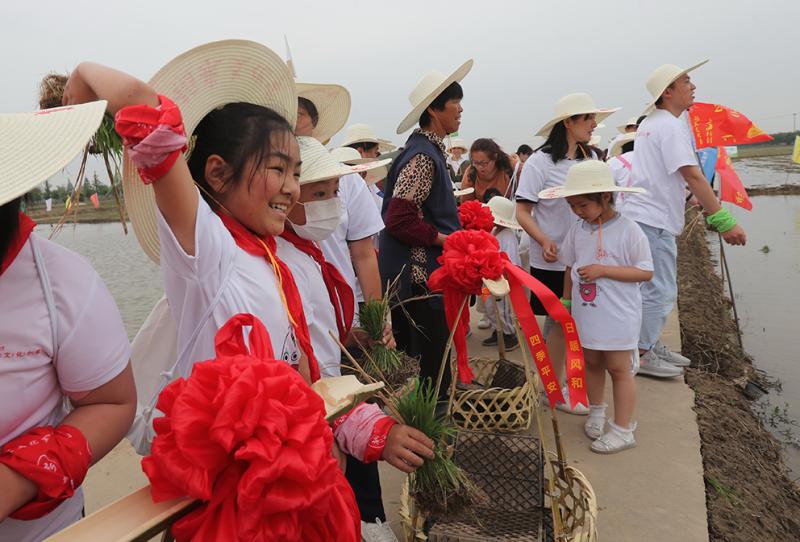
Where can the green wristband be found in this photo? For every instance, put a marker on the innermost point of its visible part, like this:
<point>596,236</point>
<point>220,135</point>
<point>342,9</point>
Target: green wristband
<point>567,303</point>
<point>721,221</point>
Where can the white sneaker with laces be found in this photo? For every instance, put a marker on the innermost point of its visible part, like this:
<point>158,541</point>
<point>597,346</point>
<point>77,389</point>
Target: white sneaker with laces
<point>484,322</point>
<point>651,364</point>
<point>377,532</point>
<point>668,355</point>
<point>579,410</point>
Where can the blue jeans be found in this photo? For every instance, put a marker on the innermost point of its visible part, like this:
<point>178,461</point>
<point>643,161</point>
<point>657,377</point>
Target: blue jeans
<point>660,293</point>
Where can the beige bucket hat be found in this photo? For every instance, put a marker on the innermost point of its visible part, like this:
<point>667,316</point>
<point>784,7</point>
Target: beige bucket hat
<point>587,177</point>
<point>630,122</point>
<point>427,90</point>
<point>363,133</point>
<point>35,145</point>
<point>578,103</point>
<point>351,157</point>
<point>332,103</point>
<point>319,165</point>
<point>503,212</point>
<point>457,143</point>
<point>619,142</point>
<point>198,81</point>
<point>664,76</point>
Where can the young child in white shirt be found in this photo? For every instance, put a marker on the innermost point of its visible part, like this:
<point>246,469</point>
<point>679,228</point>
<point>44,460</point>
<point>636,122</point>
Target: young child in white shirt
<point>505,228</point>
<point>606,256</point>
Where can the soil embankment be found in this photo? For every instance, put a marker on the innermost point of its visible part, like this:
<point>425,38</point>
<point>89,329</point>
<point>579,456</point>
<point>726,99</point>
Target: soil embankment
<point>749,494</point>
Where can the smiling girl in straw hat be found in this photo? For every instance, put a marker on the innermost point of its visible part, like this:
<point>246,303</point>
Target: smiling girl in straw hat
<point>546,222</point>
<point>62,339</point>
<point>310,221</point>
<point>607,257</point>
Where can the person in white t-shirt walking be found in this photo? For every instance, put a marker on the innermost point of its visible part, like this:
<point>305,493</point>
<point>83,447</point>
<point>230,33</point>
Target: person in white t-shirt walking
<point>666,165</point>
<point>547,222</point>
<point>607,257</point>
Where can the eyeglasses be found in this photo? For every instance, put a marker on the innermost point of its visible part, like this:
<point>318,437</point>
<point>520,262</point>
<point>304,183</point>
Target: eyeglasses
<point>482,163</point>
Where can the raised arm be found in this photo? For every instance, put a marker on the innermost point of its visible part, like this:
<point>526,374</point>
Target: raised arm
<point>176,195</point>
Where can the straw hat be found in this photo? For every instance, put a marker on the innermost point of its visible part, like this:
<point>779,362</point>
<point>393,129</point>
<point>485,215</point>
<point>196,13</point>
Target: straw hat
<point>427,90</point>
<point>664,76</point>
<point>570,105</point>
<point>351,157</point>
<point>587,177</point>
<point>463,191</point>
<point>363,133</point>
<point>595,140</point>
<point>457,143</point>
<point>34,146</point>
<point>319,165</point>
<point>332,103</point>
<point>630,122</point>
<point>619,142</point>
<point>198,81</point>
<point>503,212</point>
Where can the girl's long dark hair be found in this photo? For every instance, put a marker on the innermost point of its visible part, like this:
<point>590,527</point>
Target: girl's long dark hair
<point>494,152</point>
<point>557,146</point>
<point>9,224</point>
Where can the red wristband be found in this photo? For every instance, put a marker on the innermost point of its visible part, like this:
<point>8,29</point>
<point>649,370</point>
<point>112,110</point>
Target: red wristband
<point>377,441</point>
<point>55,459</point>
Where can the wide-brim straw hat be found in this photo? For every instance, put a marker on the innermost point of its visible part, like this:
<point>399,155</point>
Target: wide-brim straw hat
<point>503,211</point>
<point>333,105</point>
<point>427,90</point>
<point>319,165</point>
<point>363,133</point>
<point>457,143</point>
<point>458,192</point>
<point>630,122</point>
<point>198,81</point>
<point>587,177</point>
<point>578,103</point>
<point>619,142</point>
<point>351,157</point>
<point>664,76</point>
<point>36,145</point>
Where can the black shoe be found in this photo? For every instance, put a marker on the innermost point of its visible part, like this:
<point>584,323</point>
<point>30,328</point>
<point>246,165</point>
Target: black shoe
<point>511,342</point>
<point>491,340</point>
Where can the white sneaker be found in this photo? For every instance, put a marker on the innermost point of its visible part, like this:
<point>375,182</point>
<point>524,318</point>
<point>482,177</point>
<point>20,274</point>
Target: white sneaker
<point>668,355</point>
<point>651,364</point>
<point>377,532</point>
<point>484,323</point>
<point>579,410</point>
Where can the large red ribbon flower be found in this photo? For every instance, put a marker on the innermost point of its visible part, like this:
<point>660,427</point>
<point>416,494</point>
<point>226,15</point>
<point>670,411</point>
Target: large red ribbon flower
<point>474,215</point>
<point>247,436</point>
<point>468,257</point>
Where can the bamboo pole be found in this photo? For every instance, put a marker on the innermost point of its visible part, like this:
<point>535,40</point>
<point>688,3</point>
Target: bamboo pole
<point>726,273</point>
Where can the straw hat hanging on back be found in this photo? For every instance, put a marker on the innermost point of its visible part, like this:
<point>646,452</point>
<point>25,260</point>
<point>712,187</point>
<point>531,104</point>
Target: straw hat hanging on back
<point>570,105</point>
<point>36,145</point>
<point>319,165</point>
<point>363,133</point>
<point>662,77</point>
<point>333,105</point>
<point>198,81</point>
<point>351,157</point>
<point>427,90</point>
<point>587,177</point>
<point>503,211</point>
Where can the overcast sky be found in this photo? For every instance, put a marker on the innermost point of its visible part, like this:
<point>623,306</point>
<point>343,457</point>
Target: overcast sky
<point>527,53</point>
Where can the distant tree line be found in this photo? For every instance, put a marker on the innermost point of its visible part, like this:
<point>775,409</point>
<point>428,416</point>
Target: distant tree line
<point>780,138</point>
<point>38,195</point>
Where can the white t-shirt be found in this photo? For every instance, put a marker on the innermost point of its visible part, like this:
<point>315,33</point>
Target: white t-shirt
<point>456,164</point>
<point>360,219</point>
<point>608,312</point>
<point>554,215</point>
<point>191,282</point>
<point>664,144</point>
<point>320,314</point>
<point>508,243</point>
<point>93,349</point>
<point>621,167</point>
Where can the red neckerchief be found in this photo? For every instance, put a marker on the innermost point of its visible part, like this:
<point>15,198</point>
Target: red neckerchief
<point>339,292</point>
<point>265,247</point>
<point>24,229</point>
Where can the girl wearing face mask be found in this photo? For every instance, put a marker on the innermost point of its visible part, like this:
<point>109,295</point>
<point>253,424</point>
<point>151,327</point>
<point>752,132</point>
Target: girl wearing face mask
<point>547,221</point>
<point>328,306</point>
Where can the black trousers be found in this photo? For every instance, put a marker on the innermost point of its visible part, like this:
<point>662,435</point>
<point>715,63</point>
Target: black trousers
<point>366,484</point>
<point>426,340</point>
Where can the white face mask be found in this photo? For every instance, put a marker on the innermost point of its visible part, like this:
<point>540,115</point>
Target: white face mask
<point>322,218</point>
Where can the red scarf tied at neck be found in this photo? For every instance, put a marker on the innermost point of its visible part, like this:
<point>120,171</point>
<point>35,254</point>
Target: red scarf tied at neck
<point>339,292</point>
<point>265,247</point>
<point>24,229</point>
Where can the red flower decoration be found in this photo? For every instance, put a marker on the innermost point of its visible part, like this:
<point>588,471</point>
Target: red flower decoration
<point>474,215</point>
<point>246,435</point>
<point>468,256</point>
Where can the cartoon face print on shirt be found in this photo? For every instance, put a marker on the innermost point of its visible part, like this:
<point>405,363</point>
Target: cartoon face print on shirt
<point>588,292</point>
<point>289,351</point>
